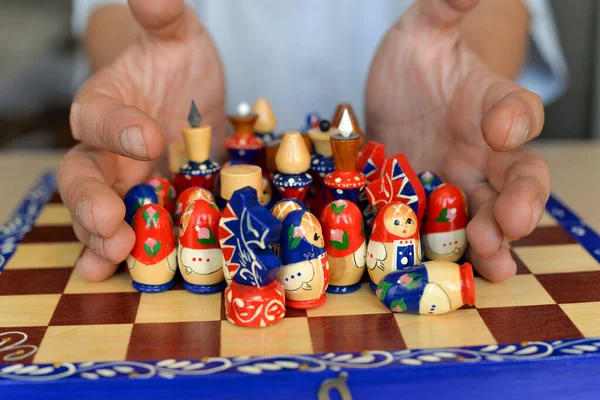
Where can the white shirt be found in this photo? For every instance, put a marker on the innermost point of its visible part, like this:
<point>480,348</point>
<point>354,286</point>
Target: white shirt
<point>308,56</point>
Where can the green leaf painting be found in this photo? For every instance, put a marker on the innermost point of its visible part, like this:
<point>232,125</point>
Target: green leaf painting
<point>343,245</point>
<point>398,305</point>
<point>382,289</point>
<point>208,241</point>
<point>337,209</point>
<point>151,220</point>
<point>293,242</point>
<point>171,194</point>
<point>443,217</point>
<point>152,251</point>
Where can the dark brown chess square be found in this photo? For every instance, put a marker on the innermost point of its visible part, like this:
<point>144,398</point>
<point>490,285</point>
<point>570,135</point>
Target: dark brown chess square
<point>521,267</point>
<point>97,308</point>
<point>545,236</point>
<point>50,234</point>
<point>34,281</point>
<point>181,340</point>
<point>578,287</point>
<point>529,323</point>
<point>56,198</point>
<point>19,345</point>
<point>355,333</point>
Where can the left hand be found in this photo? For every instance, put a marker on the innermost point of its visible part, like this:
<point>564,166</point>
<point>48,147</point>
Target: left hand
<point>429,96</point>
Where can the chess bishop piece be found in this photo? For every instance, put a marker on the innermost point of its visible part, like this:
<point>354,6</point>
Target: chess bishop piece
<point>293,162</point>
<point>345,183</point>
<point>430,182</point>
<point>247,232</point>
<point>165,191</point>
<point>152,262</point>
<point>394,243</point>
<point>136,197</point>
<point>344,235</point>
<point>321,164</point>
<point>444,233</point>
<point>199,170</point>
<point>199,256</point>
<point>431,288</point>
<point>305,268</point>
<point>244,146</point>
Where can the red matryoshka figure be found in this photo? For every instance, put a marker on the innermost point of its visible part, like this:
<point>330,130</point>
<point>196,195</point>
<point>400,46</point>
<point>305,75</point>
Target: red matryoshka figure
<point>153,260</point>
<point>394,243</point>
<point>444,232</point>
<point>165,192</point>
<point>200,256</point>
<point>185,198</point>
<point>345,242</point>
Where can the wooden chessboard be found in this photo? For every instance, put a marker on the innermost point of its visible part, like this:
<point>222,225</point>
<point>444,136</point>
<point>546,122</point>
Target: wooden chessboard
<point>57,327</point>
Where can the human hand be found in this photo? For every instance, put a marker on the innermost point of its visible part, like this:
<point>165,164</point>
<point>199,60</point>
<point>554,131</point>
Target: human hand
<point>429,96</point>
<point>125,114</point>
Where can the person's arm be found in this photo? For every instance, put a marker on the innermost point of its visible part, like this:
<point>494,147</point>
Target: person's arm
<point>497,30</point>
<point>111,28</point>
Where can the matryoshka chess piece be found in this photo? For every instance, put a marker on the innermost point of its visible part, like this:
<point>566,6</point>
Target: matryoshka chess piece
<point>444,233</point>
<point>431,288</point>
<point>153,260</point>
<point>200,257</point>
<point>430,181</point>
<point>394,243</point>
<point>136,197</point>
<point>165,191</point>
<point>305,272</point>
<point>344,235</point>
<point>189,195</point>
<point>293,162</point>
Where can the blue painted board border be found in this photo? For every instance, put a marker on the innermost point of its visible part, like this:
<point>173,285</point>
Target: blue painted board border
<point>522,370</point>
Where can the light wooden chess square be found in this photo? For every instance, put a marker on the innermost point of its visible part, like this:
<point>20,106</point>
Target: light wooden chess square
<point>45,255</point>
<point>520,290</point>
<point>556,259</point>
<point>27,310</point>
<point>585,316</point>
<point>458,328</point>
<point>54,215</point>
<point>363,301</point>
<point>120,282</point>
<point>288,336</point>
<point>178,306</point>
<point>84,343</point>
<point>547,220</point>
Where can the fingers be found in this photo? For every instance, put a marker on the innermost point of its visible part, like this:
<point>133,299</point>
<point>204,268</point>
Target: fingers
<point>95,268</point>
<point>106,123</point>
<point>114,248</point>
<point>496,268</point>
<point>483,232</point>
<point>165,19</point>
<point>442,14</point>
<point>512,116</point>
<point>523,180</point>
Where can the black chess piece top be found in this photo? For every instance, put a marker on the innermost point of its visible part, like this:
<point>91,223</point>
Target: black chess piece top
<point>324,125</point>
<point>194,116</point>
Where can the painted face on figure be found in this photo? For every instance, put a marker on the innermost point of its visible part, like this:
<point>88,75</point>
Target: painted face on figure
<point>312,230</point>
<point>400,220</point>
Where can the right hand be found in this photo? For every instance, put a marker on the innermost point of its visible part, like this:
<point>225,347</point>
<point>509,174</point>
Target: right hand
<point>125,115</point>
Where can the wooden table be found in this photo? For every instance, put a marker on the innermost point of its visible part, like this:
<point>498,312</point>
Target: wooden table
<point>573,165</point>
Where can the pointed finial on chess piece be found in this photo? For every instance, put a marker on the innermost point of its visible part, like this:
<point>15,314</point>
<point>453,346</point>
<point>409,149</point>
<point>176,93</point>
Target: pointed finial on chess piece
<point>345,126</point>
<point>194,117</point>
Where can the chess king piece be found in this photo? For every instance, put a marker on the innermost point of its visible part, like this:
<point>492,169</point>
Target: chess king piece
<point>152,262</point>
<point>431,288</point>
<point>254,297</point>
<point>394,243</point>
<point>398,182</point>
<point>136,197</point>
<point>370,164</point>
<point>199,256</point>
<point>293,162</point>
<point>430,182</point>
<point>345,183</point>
<point>321,164</point>
<point>344,235</point>
<point>165,191</point>
<point>444,232</point>
<point>243,145</point>
<point>305,272</point>
<point>199,170</point>
<point>233,178</point>
<point>338,115</point>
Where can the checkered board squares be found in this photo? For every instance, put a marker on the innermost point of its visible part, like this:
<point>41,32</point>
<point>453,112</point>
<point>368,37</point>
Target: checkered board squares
<point>63,317</point>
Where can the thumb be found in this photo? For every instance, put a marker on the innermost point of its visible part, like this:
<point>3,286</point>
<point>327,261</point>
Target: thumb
<point>165,19</point>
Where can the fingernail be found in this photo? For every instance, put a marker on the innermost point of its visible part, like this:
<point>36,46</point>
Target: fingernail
<point>537,211</point>
<point>519,131</point>
<point>505,243</point>
<point>97,244</point>
<point>133,143</point>
<point>84,215</point>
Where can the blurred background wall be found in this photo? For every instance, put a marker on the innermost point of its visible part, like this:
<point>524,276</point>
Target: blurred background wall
<point>39,73</point>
